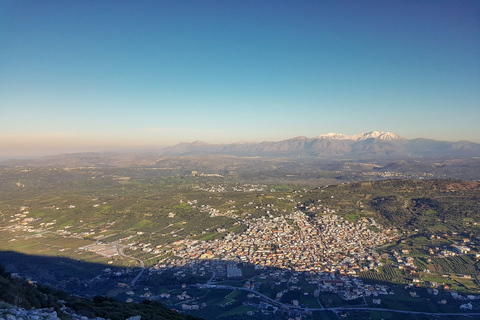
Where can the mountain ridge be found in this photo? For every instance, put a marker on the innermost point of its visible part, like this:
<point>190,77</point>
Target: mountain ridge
<point>361,136</point>
<point>374,144</point>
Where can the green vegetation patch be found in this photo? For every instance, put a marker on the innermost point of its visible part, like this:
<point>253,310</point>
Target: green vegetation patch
<point>351,217</point>
<point>240,310</point>
<point>142,224</point>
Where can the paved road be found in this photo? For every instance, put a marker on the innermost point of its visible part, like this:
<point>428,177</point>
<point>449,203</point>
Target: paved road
<point>122,253</point>
<point>278,303</point>
<point>337,309</point>
<point>214,274</point>
<point>398,311</point>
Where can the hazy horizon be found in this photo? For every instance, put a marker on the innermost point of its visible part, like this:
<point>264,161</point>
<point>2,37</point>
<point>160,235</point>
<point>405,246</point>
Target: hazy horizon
<point>36,151</point>
<point>92,76</point>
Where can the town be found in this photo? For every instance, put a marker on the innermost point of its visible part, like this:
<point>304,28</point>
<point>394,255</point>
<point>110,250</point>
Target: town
<point>325,243</point>
<point>287,253</point>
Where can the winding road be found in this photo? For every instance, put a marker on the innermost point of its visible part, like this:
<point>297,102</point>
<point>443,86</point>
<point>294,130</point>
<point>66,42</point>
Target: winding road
<point>122,253</point>
<point>338,309</point>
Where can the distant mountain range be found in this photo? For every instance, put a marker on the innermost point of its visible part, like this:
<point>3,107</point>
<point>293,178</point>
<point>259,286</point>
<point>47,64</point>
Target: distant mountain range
<point>366,145</point>
<point>369,146</point>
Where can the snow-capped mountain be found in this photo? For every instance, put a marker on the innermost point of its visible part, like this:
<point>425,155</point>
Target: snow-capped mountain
<point>367,145</point>
<point>335,136</point>
<point>386,136</point>
<point>362,136</point>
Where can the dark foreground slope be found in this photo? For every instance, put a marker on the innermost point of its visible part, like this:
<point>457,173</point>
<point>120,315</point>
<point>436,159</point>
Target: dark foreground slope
<point>26,294</point>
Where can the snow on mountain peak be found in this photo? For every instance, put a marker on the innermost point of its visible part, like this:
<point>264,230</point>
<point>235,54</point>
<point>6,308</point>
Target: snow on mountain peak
<point>336,136</point>
<point>378,135</point>
<point>387,136</point>
<point>367,135</point>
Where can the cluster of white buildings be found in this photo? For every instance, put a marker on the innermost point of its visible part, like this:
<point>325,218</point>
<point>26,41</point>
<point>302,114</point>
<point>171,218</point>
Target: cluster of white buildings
<point>237,188</point>
<point>325,243</point>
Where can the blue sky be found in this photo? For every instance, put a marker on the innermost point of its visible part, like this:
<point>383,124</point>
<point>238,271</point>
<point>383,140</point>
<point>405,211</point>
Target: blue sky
<point>91,75</point>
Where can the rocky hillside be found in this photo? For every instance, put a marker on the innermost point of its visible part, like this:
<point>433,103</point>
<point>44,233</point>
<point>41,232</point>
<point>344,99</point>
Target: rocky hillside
<point>23,299</point>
